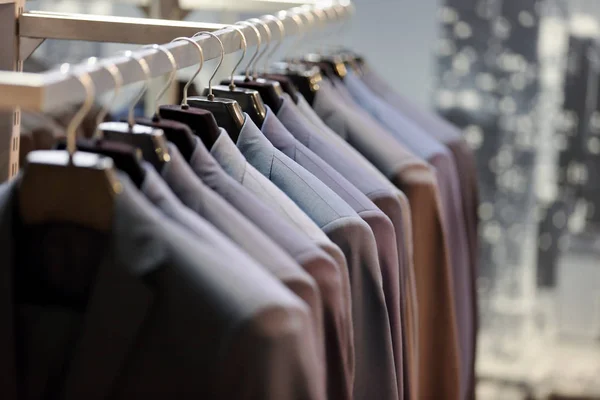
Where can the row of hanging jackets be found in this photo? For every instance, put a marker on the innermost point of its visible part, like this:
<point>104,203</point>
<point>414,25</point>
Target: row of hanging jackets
<point>325,249</point>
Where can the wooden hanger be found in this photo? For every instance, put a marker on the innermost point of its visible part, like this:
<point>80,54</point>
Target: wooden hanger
<point>70,186</point>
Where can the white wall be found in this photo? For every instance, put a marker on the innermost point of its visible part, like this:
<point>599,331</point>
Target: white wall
<point>399,38</point>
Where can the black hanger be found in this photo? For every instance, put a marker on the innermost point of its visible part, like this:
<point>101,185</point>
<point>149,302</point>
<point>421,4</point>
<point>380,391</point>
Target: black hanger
<point>70,186</point>
<point>226,112</point>
<point>249,100</point>
<point>306,78</point>
<point>270,90</point>
<point>332,66</point>
<point>200,122</point>
<point>286,84</point>
<point>152,142</point>
<point>125,157</point>
<point>177,133</point>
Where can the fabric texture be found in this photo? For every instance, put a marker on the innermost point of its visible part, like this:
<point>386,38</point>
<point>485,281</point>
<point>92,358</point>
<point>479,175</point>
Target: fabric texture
<point>326,270</point>
<point>438,331</point>
<point>192,192</point>
<point>453,221</point>
<point>372,337</point>
<point>289,132</point>
<point>439,128</point>
<point>356,168</point>
<point>166,316</point>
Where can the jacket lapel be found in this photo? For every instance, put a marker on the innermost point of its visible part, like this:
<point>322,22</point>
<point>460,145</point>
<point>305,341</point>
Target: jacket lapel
<point>121,300</point>
<point>118,307</point>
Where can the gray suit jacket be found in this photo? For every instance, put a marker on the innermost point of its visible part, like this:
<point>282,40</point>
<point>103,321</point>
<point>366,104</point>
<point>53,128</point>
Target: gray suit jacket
<point>201,199</point>
<point>439,360</point>
<point>400,219</point>
<point>166,317</point>
<point>326,272</point>
<point>373,347</point>
<point>284,132</point>
<point>386,197</point>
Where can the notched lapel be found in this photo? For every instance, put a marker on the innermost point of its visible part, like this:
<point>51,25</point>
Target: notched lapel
<point>117,310</point>
<point>121,300</point>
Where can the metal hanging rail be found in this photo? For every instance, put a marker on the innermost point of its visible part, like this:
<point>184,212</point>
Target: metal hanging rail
<point>21,32</point>
<point>51,90</point>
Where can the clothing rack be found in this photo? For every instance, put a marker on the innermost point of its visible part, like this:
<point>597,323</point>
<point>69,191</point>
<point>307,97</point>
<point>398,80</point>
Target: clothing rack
<point>179,9</point>
<point>22,32</point>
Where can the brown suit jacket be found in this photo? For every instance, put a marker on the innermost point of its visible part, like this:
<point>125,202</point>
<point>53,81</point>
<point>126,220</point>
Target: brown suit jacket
<point>439,362</point>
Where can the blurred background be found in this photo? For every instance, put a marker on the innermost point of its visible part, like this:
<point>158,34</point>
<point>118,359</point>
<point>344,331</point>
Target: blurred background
<point>520,78</point>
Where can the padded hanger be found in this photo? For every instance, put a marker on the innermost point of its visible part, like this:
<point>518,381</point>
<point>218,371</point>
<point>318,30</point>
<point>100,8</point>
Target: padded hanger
<point>152,142</point>
<point>70,186</point>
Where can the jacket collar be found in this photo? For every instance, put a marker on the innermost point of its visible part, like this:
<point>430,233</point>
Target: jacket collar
<point>256,148</point>
<point>229,156</point>
<point>278,135</point>
<point>292,118</point>
<point>184,182</point>
<point>119,301</point>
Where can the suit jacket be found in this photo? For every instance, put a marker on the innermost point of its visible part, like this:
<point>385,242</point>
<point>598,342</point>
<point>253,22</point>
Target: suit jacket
<point>192,192</point>
<point>339,155</point>
<point>439,362</point>
<point>162,315</point>
<point>464,158</point>
<point>284,132</point>
<point>344,227</point>
<point>423,145</point>
<point>325,270</point>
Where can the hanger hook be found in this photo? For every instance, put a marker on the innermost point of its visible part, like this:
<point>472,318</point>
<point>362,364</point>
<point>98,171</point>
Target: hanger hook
<point>321,16</point>
<point>88,84</point>
<point>332,15</point>
<point>310,19</point>
<point>171,74</point>
<point>300,25</point>
<point>211,96</point>
<point>244,48</point>
<point>343,14</point>
<point>146,70</point>
<point>184,102</point>
<point>281,28</point>
<point>258,44</point>
<point>262,53</point>
<point>118,81</point>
